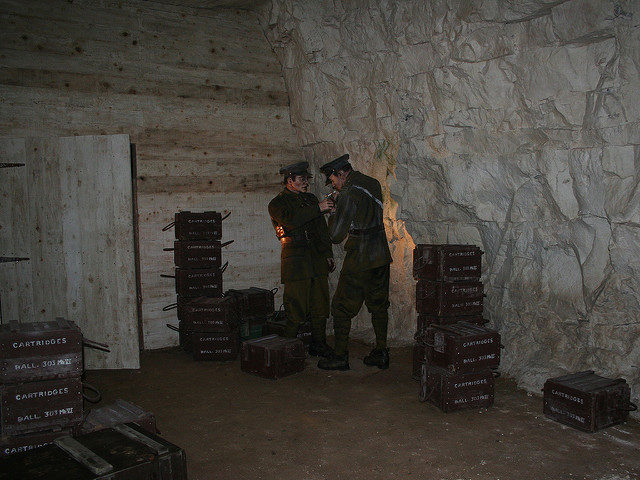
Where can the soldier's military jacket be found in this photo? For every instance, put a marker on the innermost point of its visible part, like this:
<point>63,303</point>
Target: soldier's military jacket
<point>359,215</point>
<point>306,244</point>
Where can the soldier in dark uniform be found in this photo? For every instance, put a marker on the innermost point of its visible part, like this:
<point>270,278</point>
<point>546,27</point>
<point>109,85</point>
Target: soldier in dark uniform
<point>365,272</point>
<point>307,256</point>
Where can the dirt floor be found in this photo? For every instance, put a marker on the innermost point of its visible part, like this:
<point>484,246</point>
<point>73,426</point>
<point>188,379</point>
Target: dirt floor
<point>361,424</point>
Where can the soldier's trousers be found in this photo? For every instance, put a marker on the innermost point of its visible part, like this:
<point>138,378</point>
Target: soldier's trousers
<point>370,287</point>
<point>307,299</point>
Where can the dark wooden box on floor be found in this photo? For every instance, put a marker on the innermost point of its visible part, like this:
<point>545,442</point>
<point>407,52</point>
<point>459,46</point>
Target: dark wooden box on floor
<point>462,347</point>
<point>587,401</point>
<point>215,346</point>
<point>184,338</point>
<point>447,262</point>
<point>40,350</point>
<point>424,320</point>
<point>209,314</point>
<point>120,411</point>
<point>451,392</point>
<point>254,301</point>
<point>449,298</point>
<point>43,405</point>
<point>277,327</point>
<point>123,452</point>
<point>12,444</point>
<point>203,282</point>
<point>198,225</point>
<point>197,253</point>
<point>272,356</point>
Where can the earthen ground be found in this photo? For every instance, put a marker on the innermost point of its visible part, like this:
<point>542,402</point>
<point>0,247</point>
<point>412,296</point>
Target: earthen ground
<point>361,424</point>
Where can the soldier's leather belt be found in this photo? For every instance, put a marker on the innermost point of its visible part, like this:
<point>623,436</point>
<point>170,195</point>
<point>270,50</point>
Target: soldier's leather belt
<point>366,231</point>
<point>299,238</point>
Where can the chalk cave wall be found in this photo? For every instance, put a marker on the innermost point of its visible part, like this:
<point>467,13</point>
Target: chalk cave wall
<point>513,125</point>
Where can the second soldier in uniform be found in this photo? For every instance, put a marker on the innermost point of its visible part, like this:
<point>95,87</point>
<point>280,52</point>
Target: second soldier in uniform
<point>365,272</point>
<point>307,256</point>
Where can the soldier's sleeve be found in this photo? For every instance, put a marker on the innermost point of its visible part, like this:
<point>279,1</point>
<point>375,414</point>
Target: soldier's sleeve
<point>340,221</point>
<point>290,218</point>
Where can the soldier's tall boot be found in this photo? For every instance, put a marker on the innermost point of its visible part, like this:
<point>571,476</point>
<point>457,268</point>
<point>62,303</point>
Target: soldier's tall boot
<point>379,356</point>
<point>319,346</point>
<point>340,359</point>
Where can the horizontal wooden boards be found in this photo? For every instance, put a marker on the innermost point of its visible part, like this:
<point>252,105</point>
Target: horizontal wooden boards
<point>198,90</point>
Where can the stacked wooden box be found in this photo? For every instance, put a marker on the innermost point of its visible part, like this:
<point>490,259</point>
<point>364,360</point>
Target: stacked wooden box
<point>41,391</point>
<point>454,354</point>
<point>208,323</point>
<point>256,307</point>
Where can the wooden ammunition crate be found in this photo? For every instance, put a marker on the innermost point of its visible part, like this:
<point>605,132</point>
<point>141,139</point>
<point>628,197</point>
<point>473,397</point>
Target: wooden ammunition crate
<point>462,347</point>
<point>254,301</point>
<point>277,327</point>
<point>418,360</point>
<point>12,444</point>
<point>458,391</point>
<point>202,282</point>
<point>198,225</point>
<point>198,253</point>
<point>449,298</point>
<point>40,350</point>
<point>215,346</point>
<point>209,314</point>
<point>272,356</point>
<point>447,262</point>
<point>122,452</point>
<point>587,401</point>
<point>42,405</point>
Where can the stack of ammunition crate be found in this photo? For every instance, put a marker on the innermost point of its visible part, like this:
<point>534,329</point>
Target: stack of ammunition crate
<point>208,323</point>
<point>41,391</point>
<point>454,354</point>
<point>256,309</point>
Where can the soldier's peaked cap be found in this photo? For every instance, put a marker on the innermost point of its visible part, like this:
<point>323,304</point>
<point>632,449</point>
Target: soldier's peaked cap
<point>299,168</point>
<point>334,165</point>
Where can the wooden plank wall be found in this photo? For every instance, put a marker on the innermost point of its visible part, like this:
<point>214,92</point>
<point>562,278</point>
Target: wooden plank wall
<point>68,209</point>
<point>199,92</point>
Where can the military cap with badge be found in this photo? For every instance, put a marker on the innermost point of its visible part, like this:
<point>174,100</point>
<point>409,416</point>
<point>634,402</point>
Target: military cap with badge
<point>299,168</point>
<point>334,166</point>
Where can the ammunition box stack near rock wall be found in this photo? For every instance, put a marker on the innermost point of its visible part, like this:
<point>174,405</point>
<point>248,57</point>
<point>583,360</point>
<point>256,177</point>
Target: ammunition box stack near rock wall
<point>454,354</point>
<point>208,322</point>
<point>41,391</point>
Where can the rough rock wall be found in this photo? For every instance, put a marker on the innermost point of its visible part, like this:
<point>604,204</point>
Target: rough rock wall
<point>509,124</point>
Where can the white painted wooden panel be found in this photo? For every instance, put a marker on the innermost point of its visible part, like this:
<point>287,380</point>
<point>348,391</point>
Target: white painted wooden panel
<point>70,211</point>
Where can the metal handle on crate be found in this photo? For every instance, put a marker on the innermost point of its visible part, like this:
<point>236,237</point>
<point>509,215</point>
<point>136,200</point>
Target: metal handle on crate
<point>168,249</point>
<point>171,306</point>
<point>226,243</point>
<point>94,399</point>
<point>226,216</point>
<point>274,290</point>
<point>97,345</point>
<point>167,227</point>
<point>496,374</point>
<point>224,267</point>
<point>163,275</point>
<point>173,327</point>
<point>9,165</point>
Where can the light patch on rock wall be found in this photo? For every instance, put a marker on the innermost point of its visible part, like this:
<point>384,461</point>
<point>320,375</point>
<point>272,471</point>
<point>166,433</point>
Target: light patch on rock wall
<point>509,124</point>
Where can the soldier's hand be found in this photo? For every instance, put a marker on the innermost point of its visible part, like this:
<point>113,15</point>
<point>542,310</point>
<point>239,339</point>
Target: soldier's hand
<point>326,205</point>
<point>331,264</point>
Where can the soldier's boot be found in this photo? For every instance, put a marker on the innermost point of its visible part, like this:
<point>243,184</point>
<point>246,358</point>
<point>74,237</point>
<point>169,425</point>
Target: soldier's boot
<point>335,362</point>
<point>379,357</point>
<point>319,346</point>
<point>340,359</point>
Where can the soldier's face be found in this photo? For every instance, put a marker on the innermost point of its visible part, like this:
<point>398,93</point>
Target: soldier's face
<point>299,183</point>
<point>338,179</point>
